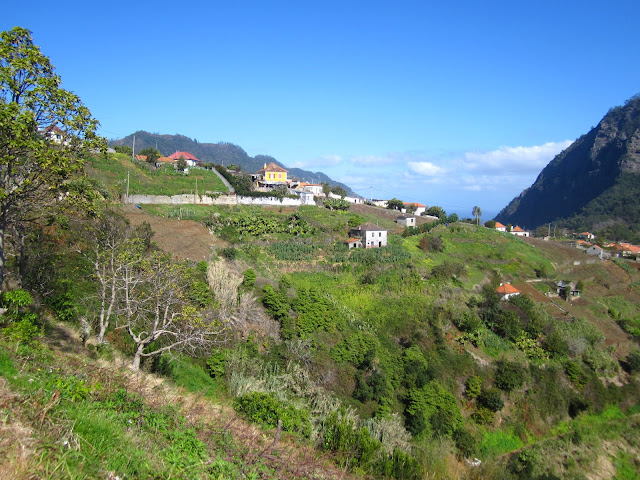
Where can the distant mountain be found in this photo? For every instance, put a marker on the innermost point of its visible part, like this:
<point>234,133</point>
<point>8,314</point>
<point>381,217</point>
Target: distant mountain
<point>222,153</point>
<point>593,184</point>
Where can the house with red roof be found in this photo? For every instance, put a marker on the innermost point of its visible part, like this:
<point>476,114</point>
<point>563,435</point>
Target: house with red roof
<point>506,291</point>
<point>500,227</point>
<point>420,209</point>
<point>519,232</point>
<point>191,160</point>
<point>587,236</point>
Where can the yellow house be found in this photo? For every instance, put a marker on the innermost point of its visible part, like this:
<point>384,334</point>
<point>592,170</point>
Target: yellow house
<point>273,173</point>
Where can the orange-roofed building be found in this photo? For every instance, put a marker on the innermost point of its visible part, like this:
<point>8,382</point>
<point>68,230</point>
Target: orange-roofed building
<point>587,235</point>
<point>191,160</point>
<point>273,173</point>
<point>506,290</point>
<point>519,232</point>
<point>500,227</point>
<point>420,209</point>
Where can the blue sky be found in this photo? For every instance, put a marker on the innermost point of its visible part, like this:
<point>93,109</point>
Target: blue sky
<point>455,104</point>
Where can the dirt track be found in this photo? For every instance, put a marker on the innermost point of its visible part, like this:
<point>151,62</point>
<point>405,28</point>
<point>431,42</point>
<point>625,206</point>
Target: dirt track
<point>184,239</point>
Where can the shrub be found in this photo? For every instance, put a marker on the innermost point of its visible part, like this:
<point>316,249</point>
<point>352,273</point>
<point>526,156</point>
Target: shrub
<point>509,375</point>
<point>249,277</point>
<point>217,362</point>
<point>633,360</point>
<point>423,405</point>
<point>449,269</point>
<point>230,253</point>
<point>491,399</point>
<point>575,374</point>
<point>465,442</point>
<point>266,409</point>
<point>473,386</point>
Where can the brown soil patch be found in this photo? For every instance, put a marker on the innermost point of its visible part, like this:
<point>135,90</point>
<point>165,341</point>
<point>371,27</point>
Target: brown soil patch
<point>184,239</point>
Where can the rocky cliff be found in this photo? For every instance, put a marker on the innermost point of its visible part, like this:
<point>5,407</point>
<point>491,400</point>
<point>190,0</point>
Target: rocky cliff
<point>585,184</point>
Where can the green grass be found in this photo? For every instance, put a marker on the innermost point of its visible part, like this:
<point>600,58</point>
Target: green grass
<point>112,171</point>
<point>499,442</point>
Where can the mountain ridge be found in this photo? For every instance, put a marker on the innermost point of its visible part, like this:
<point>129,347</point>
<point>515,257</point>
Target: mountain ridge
<point>224,153</point>
<point>576,187</point>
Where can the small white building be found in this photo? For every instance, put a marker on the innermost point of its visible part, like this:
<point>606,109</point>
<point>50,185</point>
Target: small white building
<point>419,208</point>
<point>314,188</point>
<point>519,232</point>
<point>406,221</point>
<point>506,291</point>
<point>371,235</point>
<point>500,227</point>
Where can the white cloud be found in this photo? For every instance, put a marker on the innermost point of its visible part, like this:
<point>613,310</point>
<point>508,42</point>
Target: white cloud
<point>520,160</point>
<point>428,169</point>
<point>371,160</point>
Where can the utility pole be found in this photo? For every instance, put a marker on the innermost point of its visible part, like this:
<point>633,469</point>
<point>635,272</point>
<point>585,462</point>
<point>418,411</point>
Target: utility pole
<point>127,185</point>
<point>133,153</point>
<point>371,194</point>
<point>549,235</point>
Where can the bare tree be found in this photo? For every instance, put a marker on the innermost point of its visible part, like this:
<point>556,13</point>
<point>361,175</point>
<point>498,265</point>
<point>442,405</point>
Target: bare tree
<point>156,310</point>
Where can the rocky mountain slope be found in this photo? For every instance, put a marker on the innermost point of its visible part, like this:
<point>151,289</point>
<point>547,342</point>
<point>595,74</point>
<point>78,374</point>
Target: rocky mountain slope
<point>591,184</point>
<point>223,153</point>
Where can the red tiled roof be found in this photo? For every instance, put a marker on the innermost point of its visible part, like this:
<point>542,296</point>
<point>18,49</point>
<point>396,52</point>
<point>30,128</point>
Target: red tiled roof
<point>517,229</point>
<point>352,240</point>
<point>369,227</point>
<point>417,205</point>
<point>141,157</point>
<point>166,160</point>
<point>185,155</point>
<point>506,289</point>
<point>499,225</point>
<point>272,167</point>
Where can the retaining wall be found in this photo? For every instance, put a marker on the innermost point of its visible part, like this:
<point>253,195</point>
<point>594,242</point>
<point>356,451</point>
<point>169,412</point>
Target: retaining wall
<point>211,200</point>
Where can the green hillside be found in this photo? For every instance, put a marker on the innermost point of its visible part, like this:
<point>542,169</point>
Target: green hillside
<point>398,362</point>
<point>114,170</point>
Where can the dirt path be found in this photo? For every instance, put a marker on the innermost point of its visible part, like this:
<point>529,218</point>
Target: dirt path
<point>184,239</point>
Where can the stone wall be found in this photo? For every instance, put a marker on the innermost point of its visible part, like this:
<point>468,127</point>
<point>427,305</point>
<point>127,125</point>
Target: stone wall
<point>212,200</point>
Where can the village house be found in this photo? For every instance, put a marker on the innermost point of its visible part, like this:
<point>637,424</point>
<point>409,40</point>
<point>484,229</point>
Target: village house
<point>596,251</point>
<point>406,221</point>
<point>270,177</point>
<point>379,203</point>
<point>519,232</point>
<point>54,134</point>
<point>586,236</point>
<point>568,291</point>
<point>419,208</point>
<point>370,235</point>
<point>506,291</point>
<point>190,159</point>
<point>314,188</point>
<point>500,227</point>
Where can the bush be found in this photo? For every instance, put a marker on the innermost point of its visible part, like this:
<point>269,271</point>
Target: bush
<point>433,407</point>
<point>249,277</point>
<point>266,409</point>
<point>466,443</point>
<point>633,360</point>
<point>230,253</point>
<point>509,375</point>
<point>449,269</point>
<point>491,399</point>
<point>217,362</point>
<point>473,386</point>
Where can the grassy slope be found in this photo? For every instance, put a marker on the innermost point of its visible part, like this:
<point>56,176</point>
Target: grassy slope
<point>112,171</point>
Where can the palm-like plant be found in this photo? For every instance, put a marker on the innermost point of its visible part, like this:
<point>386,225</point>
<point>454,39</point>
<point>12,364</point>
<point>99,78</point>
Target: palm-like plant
<point>477,211</point>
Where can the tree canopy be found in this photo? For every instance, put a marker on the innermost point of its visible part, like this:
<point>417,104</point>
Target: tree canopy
<point>44,131</point>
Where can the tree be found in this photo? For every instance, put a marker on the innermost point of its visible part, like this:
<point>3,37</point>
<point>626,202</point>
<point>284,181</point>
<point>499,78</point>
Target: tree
<point>326,189</point>
<point>490,224</point>
<point>181,164</point>
<point>452,218</point>
<point>44,131</point>
<point>436,211</point>
<point>156,312</point>
<point>151,153</point>
<point>477,212</point>
<point>338,190</point>
<point>395,204</point>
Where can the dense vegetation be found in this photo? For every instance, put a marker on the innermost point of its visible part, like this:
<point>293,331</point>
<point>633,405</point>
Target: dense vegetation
<point>397,362</point>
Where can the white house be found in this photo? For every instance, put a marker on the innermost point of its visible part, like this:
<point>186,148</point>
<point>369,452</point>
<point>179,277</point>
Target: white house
<point>406,221</point>
<point>506,291</point>
<point>313,188</point>
<point>420,209</point>
<point>190,159</point>
<point>519,232</point>
<point>371,236</point>
<point>500,227</point>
